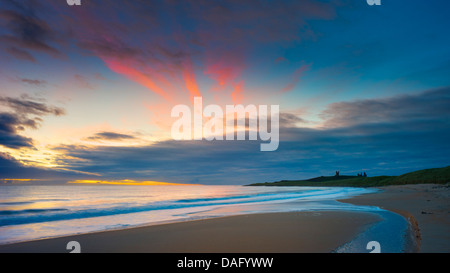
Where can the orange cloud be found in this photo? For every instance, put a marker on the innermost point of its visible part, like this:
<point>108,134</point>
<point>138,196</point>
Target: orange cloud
<point>223,72</point>
<point>296,78</point>
<point>237,96</point>
<point>189,80</point>
<point>16,180</point>
<point>127,182</point>
<point>137,76</point>
<point>226,69</point>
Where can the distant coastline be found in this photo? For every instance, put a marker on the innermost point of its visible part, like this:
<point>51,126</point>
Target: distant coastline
<point>427,176</point>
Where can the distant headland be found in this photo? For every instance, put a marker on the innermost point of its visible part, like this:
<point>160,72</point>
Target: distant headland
<point>427,176</point>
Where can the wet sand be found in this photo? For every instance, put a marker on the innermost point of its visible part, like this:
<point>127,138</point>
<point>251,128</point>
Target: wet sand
<point>426,207</point>
<point>292,232</point>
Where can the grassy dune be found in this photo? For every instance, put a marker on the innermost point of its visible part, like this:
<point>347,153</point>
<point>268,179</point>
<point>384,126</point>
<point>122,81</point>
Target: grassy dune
<point>428,176</point>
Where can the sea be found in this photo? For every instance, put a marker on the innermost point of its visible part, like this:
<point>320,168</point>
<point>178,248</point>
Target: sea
<point>37,212</point>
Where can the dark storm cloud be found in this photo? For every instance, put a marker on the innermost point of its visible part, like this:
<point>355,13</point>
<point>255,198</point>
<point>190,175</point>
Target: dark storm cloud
<point>289,120</point>
<point>106,48</point>
<point>410,136</point>
<point>10,169</point>
<point>26,112</point>
<point>10,122</point>
<point>430,105</point>
<point>110,136</point>
<point>258,20</point>
<point>9,125</point>
<point>26,32</point>
<point>28,105</point>
<point>35,82</point>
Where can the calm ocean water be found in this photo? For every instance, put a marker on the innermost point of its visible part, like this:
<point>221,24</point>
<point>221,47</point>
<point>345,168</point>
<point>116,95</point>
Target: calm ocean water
<point>35,212</point>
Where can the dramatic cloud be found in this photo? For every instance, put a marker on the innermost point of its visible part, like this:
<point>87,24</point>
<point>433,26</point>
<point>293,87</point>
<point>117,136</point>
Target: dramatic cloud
<point>9,125</point>
<point>289,120</point>
<point>393,145</point>
<point>26,105</point>
<point>228,52</point>
<point>14,172</point>
<point>169,44</point>
<point>258,20</point>
<point>26,32</point>
<point>33,81</point>
<point>423,107</point>
<point>110,136</point>
<point>26,113</point>
<point>175,50</point>
<point>296,78</point>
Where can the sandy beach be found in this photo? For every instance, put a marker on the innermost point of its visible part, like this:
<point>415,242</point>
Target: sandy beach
<point>255,233</point>
<point>425,206</point>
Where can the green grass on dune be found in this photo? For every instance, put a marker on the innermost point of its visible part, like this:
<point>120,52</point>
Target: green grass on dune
<point>428,176</point>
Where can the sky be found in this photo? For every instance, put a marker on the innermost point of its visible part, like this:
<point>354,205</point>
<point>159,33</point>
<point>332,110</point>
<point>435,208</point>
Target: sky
<point>86,92</point>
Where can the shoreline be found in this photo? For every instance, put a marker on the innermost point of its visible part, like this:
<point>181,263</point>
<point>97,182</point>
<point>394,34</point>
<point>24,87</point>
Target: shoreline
<point>412,236</point>
<point>424,207</point>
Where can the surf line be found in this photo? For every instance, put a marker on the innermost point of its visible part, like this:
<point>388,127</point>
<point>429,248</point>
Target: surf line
<point>233,120</point>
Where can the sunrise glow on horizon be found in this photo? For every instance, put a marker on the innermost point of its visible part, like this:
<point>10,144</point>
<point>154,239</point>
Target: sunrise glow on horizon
<point>128,182</point>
